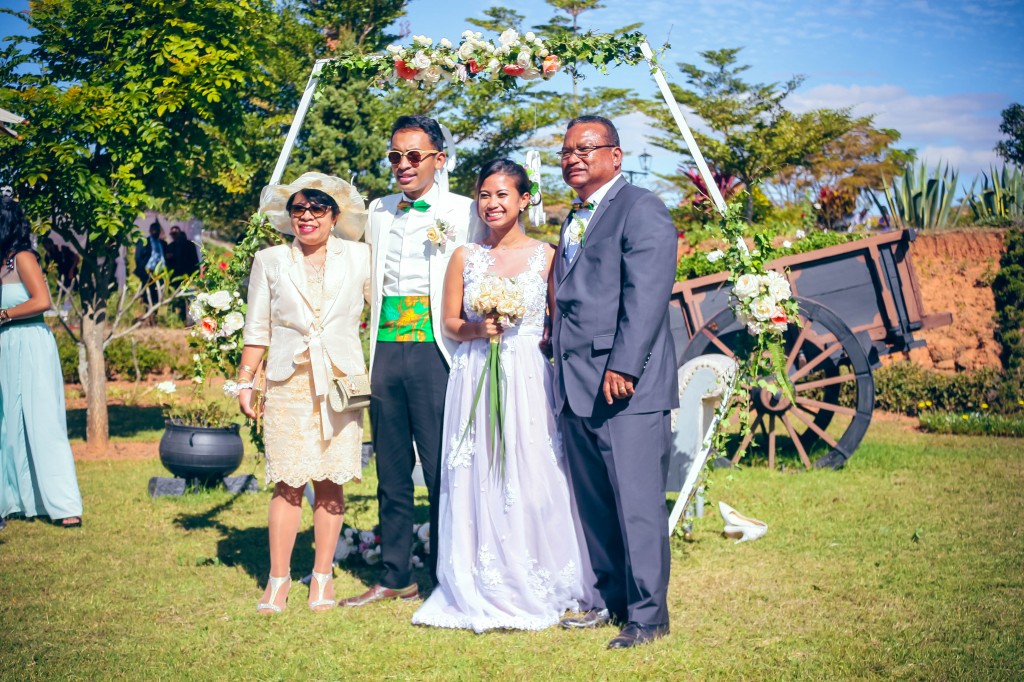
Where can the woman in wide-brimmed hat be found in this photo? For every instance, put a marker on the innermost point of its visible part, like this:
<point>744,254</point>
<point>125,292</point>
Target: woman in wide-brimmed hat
<point>304,307</point>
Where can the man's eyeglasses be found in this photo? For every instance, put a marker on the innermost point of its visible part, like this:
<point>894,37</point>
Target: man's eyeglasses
<point>315,210</point>
<point>583,152</point>
<point>414,156</point>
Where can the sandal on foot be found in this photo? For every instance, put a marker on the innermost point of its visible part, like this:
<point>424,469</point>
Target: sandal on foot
<point>321,584</point>
<point>71,522</point>
<point>275,585</point>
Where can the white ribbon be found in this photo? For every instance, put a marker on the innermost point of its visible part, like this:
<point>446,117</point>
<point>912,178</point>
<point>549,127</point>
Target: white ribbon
<point>441,175</point>
<point>532,165</point>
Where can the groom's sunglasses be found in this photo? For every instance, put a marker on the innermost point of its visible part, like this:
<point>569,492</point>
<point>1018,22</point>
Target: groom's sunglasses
<point>414,156</point>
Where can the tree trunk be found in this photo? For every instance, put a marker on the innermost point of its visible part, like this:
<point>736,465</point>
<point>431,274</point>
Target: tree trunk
<point>750,207</point>
<point>97,425</point>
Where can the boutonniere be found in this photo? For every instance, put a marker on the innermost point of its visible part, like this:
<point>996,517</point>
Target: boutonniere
<point>574,233</point>
<point>440,233</point>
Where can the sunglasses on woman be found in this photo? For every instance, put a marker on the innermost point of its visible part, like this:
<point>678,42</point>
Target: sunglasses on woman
<point>414,156</point>
<point>315,210</point>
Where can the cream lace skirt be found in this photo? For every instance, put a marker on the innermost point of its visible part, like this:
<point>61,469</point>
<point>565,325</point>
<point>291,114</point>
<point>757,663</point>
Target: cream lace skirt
<point>296,452</point>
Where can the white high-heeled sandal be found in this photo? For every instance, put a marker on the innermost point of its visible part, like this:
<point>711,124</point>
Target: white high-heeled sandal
<point>321,584</point>
<point>738,525</point>
<point>275,585</point>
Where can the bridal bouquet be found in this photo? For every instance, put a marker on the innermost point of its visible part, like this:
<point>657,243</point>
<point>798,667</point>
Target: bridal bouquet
<point>501,296</point>
<point>764,303</point>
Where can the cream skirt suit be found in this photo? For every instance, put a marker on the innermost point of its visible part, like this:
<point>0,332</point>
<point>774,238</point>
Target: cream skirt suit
<point>309,322</point>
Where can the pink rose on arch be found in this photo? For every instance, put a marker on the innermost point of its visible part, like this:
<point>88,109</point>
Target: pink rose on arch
<point>513,70</point>
<point>404,70</point>
<point>551,64</point>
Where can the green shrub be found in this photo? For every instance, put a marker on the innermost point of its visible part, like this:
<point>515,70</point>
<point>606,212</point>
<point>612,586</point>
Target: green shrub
<point>973,424</point>
<point>67,349</point>
<point>908,388</point>
<point>119,359</point>
<point>1008,290</point>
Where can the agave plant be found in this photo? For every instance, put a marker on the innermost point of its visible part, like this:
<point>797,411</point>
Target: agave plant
<point>918,200</point>
<point>1001,198</point>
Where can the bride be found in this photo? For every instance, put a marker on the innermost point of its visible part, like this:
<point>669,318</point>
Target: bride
<point>509,544</point>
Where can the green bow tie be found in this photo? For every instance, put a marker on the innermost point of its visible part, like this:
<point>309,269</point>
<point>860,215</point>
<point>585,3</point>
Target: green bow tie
<point>578,205</point>
<point>418,205</point>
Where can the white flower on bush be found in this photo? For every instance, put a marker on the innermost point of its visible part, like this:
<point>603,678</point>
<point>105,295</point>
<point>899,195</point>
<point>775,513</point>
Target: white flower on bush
<point>395,50</point>
<point>716,256</point>
<point>763,308</point>
<point>348,533</point>
<point>431,74</point>
<point>166,387</point>
<point>367,536</point>
<point>370,557</point>
<point>800,234</point>
<point>787,244</point>
<point>220,300</point>
<point>747,286</point>
<point>466,51</point>
<point>445,43</point>
<point>778,287</point>
<point>530,37</point>
<point>233,321</point>
<point>422,40</point>
<point>423,532</point>
<point>417,562</point>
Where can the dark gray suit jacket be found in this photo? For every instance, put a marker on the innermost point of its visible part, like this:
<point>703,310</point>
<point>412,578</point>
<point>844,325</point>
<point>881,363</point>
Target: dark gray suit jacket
<point>611,307</point>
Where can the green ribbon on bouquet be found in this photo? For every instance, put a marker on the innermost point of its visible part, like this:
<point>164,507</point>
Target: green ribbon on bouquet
<point>491,375</point>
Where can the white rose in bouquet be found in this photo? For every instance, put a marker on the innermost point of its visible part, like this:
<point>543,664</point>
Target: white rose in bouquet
<point>220,300</point>
<point>367,536</point>
<point>747,286</point>
<point>370,557</point>
<point>423,532</point>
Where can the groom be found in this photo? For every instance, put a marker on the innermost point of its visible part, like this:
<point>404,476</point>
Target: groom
<point>409,354</point>
<point>615,379</point>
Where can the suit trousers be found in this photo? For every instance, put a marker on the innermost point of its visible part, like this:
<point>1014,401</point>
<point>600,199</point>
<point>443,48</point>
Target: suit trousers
<point>618,467</point>
<point>408,388</point>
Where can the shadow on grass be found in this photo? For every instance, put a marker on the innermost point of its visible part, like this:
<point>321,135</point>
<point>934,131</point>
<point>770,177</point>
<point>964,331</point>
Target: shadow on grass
<point>125,421</point>
<point>247,548</point>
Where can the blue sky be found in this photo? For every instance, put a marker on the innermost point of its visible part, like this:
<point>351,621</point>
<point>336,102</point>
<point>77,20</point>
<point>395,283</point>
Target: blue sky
<point>940,72</point>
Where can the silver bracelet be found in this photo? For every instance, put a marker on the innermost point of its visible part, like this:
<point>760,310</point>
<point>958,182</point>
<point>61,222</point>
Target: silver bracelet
<point>234,388</point>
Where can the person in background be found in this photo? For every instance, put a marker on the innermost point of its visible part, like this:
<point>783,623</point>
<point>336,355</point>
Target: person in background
<point>37,469</point>
<point>182,262</point>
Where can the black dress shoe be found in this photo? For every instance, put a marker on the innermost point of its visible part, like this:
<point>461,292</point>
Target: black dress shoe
<point>635,634</point>
<point>594,618</point>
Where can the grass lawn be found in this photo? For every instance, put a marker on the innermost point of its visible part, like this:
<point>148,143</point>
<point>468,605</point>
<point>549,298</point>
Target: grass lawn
<point>908,564</point>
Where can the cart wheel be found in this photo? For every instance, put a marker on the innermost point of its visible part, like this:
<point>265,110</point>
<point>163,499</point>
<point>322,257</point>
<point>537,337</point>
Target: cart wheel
<point>831,375</point>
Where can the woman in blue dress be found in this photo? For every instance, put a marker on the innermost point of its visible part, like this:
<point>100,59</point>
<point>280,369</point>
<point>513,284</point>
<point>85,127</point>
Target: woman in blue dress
<point>37,470</point>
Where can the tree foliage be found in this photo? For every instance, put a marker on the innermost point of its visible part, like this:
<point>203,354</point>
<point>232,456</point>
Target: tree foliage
<point>133,106</point>
<point>753,135</point>
<point>1012,148</point>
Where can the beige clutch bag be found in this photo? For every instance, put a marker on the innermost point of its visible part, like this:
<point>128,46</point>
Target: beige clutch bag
<point>349,393</point>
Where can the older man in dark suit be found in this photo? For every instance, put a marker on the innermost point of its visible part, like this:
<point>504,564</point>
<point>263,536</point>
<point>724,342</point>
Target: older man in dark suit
<point>615,378</point>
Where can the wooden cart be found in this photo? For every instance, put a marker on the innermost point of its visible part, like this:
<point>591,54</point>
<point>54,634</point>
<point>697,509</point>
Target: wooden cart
<point>858,302</point>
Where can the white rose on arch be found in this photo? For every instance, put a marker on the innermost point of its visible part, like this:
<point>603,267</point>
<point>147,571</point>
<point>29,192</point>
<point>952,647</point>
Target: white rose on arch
<point>763,308</point>
<point>747,286</point>
<point>233,321</point>
<point>778,287</point>
<point>421,60</point>
<point>508,37</point>
<point>220,300</point>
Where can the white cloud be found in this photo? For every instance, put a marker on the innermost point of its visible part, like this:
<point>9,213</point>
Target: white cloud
<point>960,128</point>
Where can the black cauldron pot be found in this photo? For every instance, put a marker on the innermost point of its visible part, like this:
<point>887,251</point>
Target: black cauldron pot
<point>201,453</point>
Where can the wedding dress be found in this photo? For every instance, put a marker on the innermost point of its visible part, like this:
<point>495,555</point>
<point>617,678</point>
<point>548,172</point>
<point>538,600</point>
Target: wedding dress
<point>510,551</point>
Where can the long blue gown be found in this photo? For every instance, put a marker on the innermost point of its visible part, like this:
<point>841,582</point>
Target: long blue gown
<point>37,470</point>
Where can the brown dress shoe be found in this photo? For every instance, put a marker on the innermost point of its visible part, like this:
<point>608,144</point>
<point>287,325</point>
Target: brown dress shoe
<point>380,593</point>
<point>594,618</point>
<point>635,634</point>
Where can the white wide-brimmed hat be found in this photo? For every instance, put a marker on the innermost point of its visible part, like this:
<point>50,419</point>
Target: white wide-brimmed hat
<point>351,221</point>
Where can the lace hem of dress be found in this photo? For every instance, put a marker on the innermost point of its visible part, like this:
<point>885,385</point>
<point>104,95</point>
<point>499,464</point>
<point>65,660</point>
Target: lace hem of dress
<point>481,624</point>
<point>298,480</point>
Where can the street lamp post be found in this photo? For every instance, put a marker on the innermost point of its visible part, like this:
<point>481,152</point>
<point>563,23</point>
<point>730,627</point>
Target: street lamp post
<point>645,167</point>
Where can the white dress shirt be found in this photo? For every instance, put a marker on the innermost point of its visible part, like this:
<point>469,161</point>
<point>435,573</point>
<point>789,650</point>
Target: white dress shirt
<point>407,266</point>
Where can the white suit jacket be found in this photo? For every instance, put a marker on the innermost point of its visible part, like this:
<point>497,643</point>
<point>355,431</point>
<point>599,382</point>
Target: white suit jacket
<point>280,314</point>
<point>460,212</point>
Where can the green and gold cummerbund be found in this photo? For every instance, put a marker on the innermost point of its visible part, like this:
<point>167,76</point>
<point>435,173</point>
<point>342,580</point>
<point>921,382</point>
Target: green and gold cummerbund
<point>405,318</point>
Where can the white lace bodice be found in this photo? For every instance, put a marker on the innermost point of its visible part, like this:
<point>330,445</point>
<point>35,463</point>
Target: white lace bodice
<point>532,282</point>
